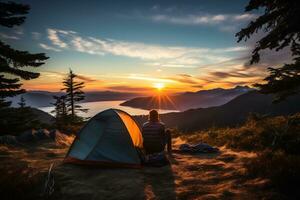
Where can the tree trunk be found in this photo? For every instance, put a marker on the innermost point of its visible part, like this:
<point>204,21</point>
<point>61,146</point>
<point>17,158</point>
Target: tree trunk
<point>72,95</point>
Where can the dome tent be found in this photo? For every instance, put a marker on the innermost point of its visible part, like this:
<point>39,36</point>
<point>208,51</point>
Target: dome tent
<point>110,138</point>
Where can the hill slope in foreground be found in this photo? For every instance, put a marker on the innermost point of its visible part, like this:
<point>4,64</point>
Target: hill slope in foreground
<point>206,176</point>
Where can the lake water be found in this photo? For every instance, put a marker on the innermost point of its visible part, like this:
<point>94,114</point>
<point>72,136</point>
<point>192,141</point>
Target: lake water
<point>96,107</point>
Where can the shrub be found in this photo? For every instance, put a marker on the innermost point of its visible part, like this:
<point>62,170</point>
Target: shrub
<point>280,168</point>
<point>17,181</point>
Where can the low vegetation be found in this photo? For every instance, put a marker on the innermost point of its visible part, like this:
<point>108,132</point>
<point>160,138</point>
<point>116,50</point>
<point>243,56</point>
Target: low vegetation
<point>276,141</point>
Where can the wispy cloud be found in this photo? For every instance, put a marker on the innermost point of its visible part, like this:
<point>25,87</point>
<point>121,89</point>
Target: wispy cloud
<point>36,35</point>
<point>85,78</point>
<point>223,22</point>
<point>170,65</point>
<point>10,37</point>
<point>189,20</point>
<point>18,30</point>
<point>168,56</point>
<point>60,75</point>
<point>149,78</point>
<point>47,47</point>
<point>203,19</point>
<point>53,36</point>
<point>123,88</point>
<point>243,17</point>
<point>186,79</point>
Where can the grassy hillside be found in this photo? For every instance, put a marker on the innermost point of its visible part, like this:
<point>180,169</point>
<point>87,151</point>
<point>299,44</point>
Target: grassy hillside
<point>206,176</point>
<point>275,140</point>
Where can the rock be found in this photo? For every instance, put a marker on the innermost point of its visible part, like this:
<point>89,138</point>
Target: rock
<point>8,139</point>
<point>42,134</point>
<point>52,133</point>
<point>27,136</point>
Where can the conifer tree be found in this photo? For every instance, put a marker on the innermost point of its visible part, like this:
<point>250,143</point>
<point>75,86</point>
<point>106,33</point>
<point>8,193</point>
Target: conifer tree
<point>280,21</point>
<point>60,108</point>
<point>74,94</point>
<point>22,102</point>
<point>12,61</point>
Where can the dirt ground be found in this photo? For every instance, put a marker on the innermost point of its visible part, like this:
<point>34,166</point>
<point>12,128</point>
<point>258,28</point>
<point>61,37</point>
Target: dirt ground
<point>205,176</point>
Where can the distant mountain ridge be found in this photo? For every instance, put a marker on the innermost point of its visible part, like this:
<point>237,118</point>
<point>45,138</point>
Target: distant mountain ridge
<point>232,113</point>
<point>189,100</point>
<point>45,98</point>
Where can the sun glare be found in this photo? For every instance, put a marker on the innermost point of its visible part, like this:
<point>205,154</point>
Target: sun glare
<point>159,86</point>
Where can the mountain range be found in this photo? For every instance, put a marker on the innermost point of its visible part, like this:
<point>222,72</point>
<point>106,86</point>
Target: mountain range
<point>45,98</point>
<point>230,114</point>
<point>188,100</point>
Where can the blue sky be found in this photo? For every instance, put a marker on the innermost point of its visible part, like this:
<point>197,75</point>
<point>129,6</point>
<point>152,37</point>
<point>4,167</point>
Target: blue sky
<point>131,45</point>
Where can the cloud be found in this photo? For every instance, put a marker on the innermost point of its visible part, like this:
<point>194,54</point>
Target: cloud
<point>186,79</point>
<point>123,88</point>
<point>53,36</point>
<point>36,35</point>
<point>203,19</point>
<point>44,46</point>
<point>54,74</point>
<point>168,56</point>
<point>10,37</point>
<point>155,7</point>
<point>149,78</point>
<point>224,22</point>
<point>85,78</point>
<point>171,65</point>
<point>244,17</point>
<point>189,20</point>
<point>235,74</point>
<point>18,31</point>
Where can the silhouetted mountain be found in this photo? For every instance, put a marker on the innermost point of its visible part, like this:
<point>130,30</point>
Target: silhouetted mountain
<point>188,100</point>
<point>45,98</point>
<point>230,114</point>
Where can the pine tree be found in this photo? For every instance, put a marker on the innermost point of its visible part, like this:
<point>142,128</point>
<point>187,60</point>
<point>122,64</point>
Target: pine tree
<point>60,108</point>
<point>280,21</point>
<point>74,94</point>
<point>22,102</point>
<point>11,60</point>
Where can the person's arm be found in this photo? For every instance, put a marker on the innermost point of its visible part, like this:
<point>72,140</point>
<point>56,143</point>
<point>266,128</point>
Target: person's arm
<point>169,141</point>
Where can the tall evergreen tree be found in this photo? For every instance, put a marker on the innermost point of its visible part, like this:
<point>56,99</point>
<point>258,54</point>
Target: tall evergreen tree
<point>22,102</point>
<point>280,21</point>
<point>74,94</point>
<point>60,111</point>
<point>60,108</point>
<point>11,60</point>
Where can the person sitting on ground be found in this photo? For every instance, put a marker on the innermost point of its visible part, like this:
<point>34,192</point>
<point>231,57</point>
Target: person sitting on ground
<point>154,135</point>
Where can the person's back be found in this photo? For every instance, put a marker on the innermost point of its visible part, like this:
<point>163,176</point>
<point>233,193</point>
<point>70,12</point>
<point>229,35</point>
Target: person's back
<point>154,136</point>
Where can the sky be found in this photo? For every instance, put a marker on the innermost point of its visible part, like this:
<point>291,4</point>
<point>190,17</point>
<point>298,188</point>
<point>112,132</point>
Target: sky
<point>135,46</point>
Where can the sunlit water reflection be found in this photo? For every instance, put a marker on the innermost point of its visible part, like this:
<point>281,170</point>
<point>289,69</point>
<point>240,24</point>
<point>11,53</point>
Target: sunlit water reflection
<point>96,107</point>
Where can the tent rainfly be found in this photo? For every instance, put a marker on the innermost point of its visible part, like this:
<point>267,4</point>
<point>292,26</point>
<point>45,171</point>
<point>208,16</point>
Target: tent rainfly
<point>110,138</point>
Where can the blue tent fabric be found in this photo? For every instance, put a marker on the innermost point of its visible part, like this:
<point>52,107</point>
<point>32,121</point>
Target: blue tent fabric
<point>111,136</point>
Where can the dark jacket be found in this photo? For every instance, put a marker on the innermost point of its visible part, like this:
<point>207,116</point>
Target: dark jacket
<point>154,137</point>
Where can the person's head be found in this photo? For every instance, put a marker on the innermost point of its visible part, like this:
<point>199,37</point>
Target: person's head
<point>153,116</point>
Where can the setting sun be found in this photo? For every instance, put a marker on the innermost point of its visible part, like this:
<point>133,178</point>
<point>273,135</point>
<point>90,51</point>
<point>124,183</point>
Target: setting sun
<point>159,86</point>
